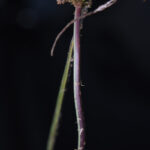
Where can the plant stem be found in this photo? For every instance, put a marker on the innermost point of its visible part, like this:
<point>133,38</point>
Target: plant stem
<point>77,92</point>
<point>59,101</point>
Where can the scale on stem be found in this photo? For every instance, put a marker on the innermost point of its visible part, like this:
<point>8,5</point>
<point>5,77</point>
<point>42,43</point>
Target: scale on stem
<point>80,6</point>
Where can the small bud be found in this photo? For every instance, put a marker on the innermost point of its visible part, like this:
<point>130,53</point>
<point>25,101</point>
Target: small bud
<point>59,2</point>
<point>75,2</point>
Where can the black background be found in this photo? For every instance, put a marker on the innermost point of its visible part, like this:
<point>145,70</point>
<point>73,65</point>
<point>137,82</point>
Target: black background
<point>115,71</point>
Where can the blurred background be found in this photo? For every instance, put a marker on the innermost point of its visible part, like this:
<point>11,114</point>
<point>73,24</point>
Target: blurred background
<point>115,67</point>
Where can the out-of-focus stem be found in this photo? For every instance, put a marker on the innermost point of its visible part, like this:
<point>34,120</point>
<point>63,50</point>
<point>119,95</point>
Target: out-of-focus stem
<point>59,101</point>
<point>76,82</point>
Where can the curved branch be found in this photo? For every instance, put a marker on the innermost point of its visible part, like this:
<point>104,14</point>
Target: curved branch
<point>99,9</point>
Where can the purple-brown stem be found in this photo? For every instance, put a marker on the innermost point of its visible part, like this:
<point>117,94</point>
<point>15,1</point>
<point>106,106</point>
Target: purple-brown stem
<point>76,82</point>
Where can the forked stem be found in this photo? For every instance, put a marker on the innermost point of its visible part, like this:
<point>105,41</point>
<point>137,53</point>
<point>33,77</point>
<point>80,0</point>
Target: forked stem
<point>76,81</point>
<point>76,76</point>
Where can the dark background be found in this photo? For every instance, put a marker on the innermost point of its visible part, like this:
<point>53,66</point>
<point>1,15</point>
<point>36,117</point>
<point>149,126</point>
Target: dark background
<point>115,71</point>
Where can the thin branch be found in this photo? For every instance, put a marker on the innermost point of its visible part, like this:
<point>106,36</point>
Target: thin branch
<point>97,10</point>
<point>59,101</point>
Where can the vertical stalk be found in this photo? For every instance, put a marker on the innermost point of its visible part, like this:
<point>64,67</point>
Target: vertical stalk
<point>76,80</point>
